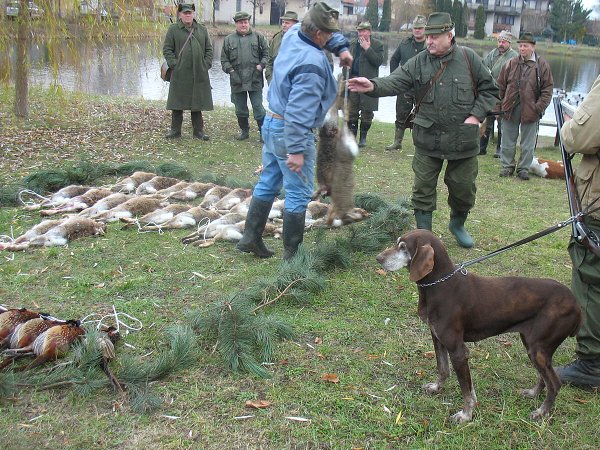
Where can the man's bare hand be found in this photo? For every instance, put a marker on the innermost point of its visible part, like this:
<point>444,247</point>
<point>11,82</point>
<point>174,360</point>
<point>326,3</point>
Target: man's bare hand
<point>345,59</point>
<point>472,120</point>
<point>360,84</point>
<point>295,161</point>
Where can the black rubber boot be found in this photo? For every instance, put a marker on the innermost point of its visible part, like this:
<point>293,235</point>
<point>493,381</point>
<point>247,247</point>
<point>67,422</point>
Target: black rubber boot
<point>364,129</point>
<point>259,123</point>
<point>198,125</point>
<point>423,219</point>
<point>584,373</point>
<point>353,126</point>
<point>398,136</point>
<point>244,127</point>
<point>293,233</point>
<point>256,219</point>
<point>176,122</point>
<point>457,228</point>
<point>498,142</point>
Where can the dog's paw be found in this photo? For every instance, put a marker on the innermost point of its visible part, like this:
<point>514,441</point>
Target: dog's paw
<point>432,388</point>
<point>461,417</point>
<point>539,414</point>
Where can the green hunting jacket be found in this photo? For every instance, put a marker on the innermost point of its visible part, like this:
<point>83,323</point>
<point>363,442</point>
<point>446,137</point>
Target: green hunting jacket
<point>368,66</point>
<point>494,60</point>
<point>273,51</point>
<point>406,49</point>
<point>239,58</point>
<point>439,129</point>
<point>190,87</point>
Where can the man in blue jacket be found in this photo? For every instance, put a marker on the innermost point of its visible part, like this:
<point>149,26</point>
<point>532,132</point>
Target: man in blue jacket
<point>302,90</point>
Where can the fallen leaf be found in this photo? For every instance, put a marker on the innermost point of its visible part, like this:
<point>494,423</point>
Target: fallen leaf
<point>429,354</point>
<point>581,401</point>
<point>381,272</point>
<point>318,340</point>
<point>373,356</point>
<point>331,377</point>
<point>321,356</point>
<point>257,404</point>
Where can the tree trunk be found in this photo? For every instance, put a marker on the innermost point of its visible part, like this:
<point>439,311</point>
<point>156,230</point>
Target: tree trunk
<point>21,81</point>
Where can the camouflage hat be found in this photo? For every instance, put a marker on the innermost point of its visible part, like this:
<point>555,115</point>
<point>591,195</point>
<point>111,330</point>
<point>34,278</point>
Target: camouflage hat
<point>366,25</point>
<point>438,22</point>
<point>419,22</point>
<point>182,7</point>
<point>241,15</point>
<point>324,17</point>
<point>505,36</point>
<point>290,15</point>
<point>526,37</point>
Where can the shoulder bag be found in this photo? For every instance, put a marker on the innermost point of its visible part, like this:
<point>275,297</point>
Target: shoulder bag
<point>165,70</point>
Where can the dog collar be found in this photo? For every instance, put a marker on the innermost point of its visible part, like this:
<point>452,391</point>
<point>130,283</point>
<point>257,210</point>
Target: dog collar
<point>460,268</point>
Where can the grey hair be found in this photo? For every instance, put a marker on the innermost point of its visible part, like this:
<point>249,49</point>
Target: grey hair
<point>308,27</point>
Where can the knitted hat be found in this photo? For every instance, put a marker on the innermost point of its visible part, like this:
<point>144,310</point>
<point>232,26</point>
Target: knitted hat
<point>324,17</point>
<point>438,22</point>
<point>505,36</point>
<point>241,15</point>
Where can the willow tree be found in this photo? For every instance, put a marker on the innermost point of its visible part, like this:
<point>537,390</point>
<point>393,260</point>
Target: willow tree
<point>21,75</point>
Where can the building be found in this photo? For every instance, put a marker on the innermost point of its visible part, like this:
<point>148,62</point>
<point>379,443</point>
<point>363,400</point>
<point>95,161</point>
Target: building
<point>510,15</point>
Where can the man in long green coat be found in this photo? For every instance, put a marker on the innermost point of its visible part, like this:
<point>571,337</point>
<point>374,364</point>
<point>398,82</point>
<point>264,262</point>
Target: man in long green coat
<point>189,54</point>
<point>287,20</point>
<point>454,91</point>
<point>243,58</point>
<point>368,56</point>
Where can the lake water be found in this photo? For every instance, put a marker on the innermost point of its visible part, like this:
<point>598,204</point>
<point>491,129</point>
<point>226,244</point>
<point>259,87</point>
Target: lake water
<point>132,69</point>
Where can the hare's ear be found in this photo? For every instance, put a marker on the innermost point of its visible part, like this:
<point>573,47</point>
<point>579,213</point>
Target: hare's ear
<point>421,263</point>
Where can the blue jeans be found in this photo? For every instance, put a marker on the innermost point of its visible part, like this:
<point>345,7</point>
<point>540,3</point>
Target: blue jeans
<point>275,173</point>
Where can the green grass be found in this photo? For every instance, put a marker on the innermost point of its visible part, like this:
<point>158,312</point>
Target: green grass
<point>378,402</point>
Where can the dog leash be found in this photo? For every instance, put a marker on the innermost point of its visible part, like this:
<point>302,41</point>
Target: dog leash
<point>559,226</point>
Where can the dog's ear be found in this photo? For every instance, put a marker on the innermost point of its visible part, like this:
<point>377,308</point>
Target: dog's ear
<point>421,263</point>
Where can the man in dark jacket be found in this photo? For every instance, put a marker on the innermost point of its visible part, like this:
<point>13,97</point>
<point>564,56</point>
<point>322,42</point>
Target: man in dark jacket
<point>525,84</point>
<point>407,48</point>
<point>189,53</point>
<point>368,56</point>
<point>287,20</point>
<point>243,58</point>
<point>457,91</point>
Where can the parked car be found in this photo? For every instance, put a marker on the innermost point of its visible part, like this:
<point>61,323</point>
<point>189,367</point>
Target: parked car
<point>12,10</point>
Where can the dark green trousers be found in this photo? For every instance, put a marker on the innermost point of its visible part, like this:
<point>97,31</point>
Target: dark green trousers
<point>357,111</point>
<point>459,176</point>
<point>585,284</point>
<point>404,105</point>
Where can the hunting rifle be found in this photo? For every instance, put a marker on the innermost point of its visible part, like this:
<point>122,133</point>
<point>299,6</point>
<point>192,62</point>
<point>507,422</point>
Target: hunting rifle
<point>581,232</point>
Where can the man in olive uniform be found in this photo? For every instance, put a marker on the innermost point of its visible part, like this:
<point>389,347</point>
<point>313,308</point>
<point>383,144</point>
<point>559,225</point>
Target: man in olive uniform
<point>368,56</point>
<point>407,48</point>
<point>244,58</point>
<point>457,91</point>
<point>495,60</point>
<point>287,20</point>
<point>190,60</point>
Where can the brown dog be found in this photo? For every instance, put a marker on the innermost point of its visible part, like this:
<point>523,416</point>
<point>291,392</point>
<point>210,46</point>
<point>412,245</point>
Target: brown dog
<point>461,307</point>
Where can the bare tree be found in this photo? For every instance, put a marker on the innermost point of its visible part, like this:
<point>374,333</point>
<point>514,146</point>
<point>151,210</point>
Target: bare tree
<point>22,63</point>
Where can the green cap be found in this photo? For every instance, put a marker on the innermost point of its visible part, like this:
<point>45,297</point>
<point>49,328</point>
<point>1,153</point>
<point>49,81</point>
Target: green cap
<point>241,15</point>
<point>526,37</point>
<point>182,7</point>
<point>324,17</point>
<point>289,15</point>
<point>419,21</point>
<point>364,26</point>
<point>438,22</point>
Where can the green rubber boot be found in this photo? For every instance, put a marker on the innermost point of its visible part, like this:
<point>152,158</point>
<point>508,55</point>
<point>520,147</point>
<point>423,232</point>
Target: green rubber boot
<point>457,228</point>
<point>423,219</point>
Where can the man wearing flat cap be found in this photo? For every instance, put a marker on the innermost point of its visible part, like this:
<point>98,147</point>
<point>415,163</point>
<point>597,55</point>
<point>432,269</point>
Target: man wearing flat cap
<point>495,60</point>
<point>243,58</point>
<point>302,89</point>
<point>453,93</point>
<point>407,48</point>
<point>287,20</point>
<point>367,54</point>
<point>189,53</point>
<point>525,84</point>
